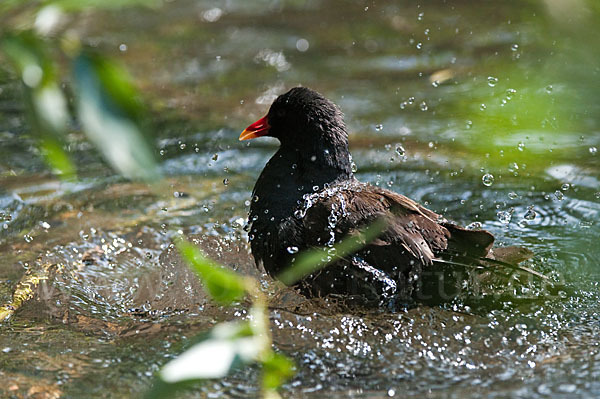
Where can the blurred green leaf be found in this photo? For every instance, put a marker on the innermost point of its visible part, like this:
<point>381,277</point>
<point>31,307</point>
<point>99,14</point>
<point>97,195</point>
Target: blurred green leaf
<point>56,157</point>
<point>310,261</point>
<point>45,102</point>
<point>226,347</point>
<point>223,285</point>
<point>277,368</point>
<point>112,117</point>
<point>8,5</point>
<point>78,5</point>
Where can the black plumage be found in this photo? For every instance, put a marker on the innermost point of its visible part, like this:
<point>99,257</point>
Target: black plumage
<point>307,196</point>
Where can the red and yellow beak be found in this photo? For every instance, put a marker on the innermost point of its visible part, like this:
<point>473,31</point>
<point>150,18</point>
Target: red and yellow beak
<point>257,129</point>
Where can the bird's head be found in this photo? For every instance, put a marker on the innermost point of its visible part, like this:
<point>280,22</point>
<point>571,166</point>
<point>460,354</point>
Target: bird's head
<point>299,118</point>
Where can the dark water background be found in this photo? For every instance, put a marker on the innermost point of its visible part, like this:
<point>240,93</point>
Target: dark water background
<point>436,95</point>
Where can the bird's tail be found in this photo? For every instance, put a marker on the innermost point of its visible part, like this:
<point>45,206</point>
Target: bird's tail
<point>459,275</point>
<point>499,260</point>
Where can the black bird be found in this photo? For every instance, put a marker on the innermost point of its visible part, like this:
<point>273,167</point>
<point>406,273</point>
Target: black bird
<point>307,196</point>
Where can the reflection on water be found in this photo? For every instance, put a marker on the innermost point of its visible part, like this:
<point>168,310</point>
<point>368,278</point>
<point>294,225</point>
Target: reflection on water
<point>437,96</point>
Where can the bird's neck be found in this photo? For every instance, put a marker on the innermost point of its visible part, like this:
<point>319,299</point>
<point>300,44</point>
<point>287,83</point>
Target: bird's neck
<point>291,173</point>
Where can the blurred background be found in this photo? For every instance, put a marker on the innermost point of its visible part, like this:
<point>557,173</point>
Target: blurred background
<point>119,125</point>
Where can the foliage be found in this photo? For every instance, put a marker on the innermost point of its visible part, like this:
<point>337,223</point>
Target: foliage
<point>107,105</point>
<point>223,285</point>
<point>45,101</point>
<point>111,116</point>
<point>228,345</point>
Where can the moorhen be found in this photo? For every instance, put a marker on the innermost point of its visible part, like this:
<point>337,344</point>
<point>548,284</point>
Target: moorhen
<point>307,196</point>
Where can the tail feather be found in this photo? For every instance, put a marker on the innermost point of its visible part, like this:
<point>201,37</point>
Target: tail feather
<point>505,257</point>
<point>514,254</point>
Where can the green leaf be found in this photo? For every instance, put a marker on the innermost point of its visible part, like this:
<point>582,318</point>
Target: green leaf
<point>310,261</point>
<point>112,116</point>
<point>56,157</point>
<point>277,368</point>
<point>226,346</point>
<point>216,354</point>
<point>79,5</point>
<point>45,102</point>
<point>223,285</point>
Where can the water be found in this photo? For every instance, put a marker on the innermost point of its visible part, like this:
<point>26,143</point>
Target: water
<point>115,303</point>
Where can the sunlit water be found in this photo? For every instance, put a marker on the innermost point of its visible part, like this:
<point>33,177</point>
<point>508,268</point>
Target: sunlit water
<point>427,93</point>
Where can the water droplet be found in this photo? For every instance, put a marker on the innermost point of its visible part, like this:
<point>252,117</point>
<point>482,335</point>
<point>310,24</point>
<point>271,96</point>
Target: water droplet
<point>27,238</point>
<point>492,81</point>
<point>400,150</point>
<point>488,179</point>
<point>403,104</point>
<point>420,16</point>
<point>597,195</point>
<point>123,47</point>
<point>513,195</point>
<point>510,93</point>
<point>521,146</point>
<point>549,89</point>
<point>435,83</point>
<point>424,106</point>
<point>483,107</point>
<point>469,124</point>
<point>378,127</point>
<point>302,45</point>
<point>353,167</point>
<point>292,249</point>
<point>475,226</point>
<point>419,46</point>
<point>411,100</point>
<point>182,146</point>
<point>315,188</point>
<point>559,195</point>
<point>593,150</point>
<point>530,214</point>
<point>565,186</point>
<point>225,181</point>
<point>514,47</point>
<point>215,157</point>
<point>505,216</point>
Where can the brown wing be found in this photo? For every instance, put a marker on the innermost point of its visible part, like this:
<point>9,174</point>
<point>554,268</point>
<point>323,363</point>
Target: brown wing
<point>414,234</point>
